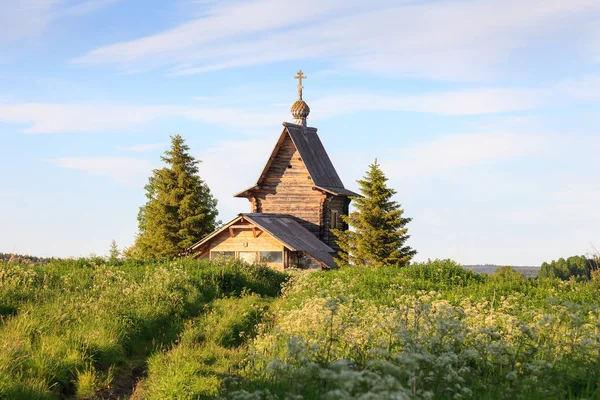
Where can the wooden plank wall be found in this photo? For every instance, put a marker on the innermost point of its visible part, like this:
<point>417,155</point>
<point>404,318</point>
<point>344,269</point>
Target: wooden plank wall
<point>288,189</point>
<point>244,240</point>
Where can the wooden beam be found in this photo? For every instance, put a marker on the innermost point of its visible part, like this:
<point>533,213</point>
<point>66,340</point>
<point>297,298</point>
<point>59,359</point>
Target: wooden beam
<point>246,226</point>
<point>256,231</point>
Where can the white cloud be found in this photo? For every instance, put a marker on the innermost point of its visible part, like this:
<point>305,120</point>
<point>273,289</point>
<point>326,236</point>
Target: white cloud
<point>586,88</point>
<point>20,19</point>
<point>140,148</point>
<point>461,102</point>
<point>459,39</point>
<point>499,197</point>
<point>475,101</point>
<point>232,166</point>
<point>447,153</point>
<point>222,22</point>
<point>81,118</point>
<point>78,8</point>
<point>73,118</point>
<point>25,18</point>
<point>127,171</point>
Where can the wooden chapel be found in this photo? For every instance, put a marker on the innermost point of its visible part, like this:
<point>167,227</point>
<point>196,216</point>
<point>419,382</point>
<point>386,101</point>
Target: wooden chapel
<point>295,203</point>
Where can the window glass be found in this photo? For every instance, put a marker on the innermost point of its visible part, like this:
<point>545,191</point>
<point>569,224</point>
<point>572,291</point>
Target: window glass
<point>334,219</point>
<point>248,256</point>
<point>222,255</point>
<point>271,256</point>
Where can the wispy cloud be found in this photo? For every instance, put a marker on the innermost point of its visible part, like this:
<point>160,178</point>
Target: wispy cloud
<point>74,118</point>
<point>444,155</point>
<point>235,175</point>
<point>82,118</point>
<point>457,40</point>
<point>77,8</point>
<point>140,148</point>
<point>127,171</point>
<point>27,18</point>
<point>461,102</point>
<point>586,88</point>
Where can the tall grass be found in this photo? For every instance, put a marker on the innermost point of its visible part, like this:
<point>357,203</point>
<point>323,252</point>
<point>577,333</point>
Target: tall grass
<point>90,328</point>
<point>66,328</point>
<point>431,330</point>
<point>208,351</point>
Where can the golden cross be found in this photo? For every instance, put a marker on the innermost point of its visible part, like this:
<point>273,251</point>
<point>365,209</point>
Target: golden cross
<point>300,77</point>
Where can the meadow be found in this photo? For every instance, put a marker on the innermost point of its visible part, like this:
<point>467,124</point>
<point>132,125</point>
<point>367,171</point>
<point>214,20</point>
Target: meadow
<point>93,328</point>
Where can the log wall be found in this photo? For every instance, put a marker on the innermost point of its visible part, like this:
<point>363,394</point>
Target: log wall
<point>333,204</point>
<point>288,189</point>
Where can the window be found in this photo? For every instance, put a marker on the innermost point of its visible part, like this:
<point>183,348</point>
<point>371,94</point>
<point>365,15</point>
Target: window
<point>305,262</point>
<point>334,219</point>
<point>248,256</point>
<point>222,255</point>
<point>271,256</point>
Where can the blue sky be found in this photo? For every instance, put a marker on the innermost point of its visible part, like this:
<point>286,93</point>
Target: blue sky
<point>483,114</point>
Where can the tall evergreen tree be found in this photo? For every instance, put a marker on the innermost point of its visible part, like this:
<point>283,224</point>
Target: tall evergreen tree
<point>113,253</point>
<point>378,232</point>
<point>180,208</point>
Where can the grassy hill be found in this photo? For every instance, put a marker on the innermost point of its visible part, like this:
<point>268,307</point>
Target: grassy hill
<point>152,330</point>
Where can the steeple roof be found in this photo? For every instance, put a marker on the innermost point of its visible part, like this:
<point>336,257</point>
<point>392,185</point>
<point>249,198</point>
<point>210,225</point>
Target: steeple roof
<point>313,154</point>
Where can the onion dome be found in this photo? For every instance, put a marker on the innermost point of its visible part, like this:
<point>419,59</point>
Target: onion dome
<point>300,109</point>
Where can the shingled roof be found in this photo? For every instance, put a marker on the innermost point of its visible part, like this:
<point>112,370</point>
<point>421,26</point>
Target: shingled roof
<point>287,231</point>
<point>314,156</point>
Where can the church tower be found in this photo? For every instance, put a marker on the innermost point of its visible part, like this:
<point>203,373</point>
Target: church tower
<point>299,179</point>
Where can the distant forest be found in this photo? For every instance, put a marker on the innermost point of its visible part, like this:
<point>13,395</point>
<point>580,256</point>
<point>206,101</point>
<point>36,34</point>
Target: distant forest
<point>528,271</point>
<point>24,259</point>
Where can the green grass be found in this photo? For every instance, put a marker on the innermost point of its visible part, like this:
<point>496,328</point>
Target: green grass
<point>431,329</point>
<point>70,326</point>
<point>83,329</point>
<point>208,352</point>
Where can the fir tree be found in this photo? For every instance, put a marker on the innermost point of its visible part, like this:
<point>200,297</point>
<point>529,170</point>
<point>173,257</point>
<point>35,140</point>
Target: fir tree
<point>378,232</point>
<point>113,253</point>
<point>180,208</point>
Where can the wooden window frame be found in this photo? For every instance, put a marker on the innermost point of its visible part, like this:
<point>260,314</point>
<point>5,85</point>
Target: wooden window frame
<point>334,219</point>
<point>270,251</point>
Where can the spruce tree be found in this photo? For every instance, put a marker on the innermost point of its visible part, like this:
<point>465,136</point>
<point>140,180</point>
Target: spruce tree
<point>180,209</point>
<point>378,232</point>
<point>113,253</point>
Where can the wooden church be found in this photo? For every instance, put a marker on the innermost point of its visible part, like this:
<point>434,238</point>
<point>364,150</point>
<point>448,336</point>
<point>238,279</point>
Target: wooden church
<point>296,201</point>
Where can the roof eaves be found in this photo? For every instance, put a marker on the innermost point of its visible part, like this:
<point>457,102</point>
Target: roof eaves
<point>246,191</point>
<point>338,191</point>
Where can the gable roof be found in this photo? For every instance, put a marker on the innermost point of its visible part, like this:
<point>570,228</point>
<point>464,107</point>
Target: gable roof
<point>287,231</point>
<point>313,154</point>
<point>293,235</point>
<point>315,158</point>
